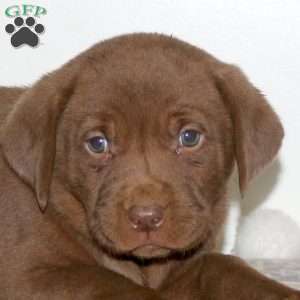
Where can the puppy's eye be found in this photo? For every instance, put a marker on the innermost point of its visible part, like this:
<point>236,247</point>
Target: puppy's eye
<point>97,144</point>
<point>189,138</point>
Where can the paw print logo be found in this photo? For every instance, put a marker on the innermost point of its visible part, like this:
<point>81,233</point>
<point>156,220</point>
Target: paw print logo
<point>24,32</point>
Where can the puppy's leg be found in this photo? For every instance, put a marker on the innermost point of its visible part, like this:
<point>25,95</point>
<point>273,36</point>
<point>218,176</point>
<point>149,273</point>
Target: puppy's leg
<point>80,282</point>
<point>222,277</point>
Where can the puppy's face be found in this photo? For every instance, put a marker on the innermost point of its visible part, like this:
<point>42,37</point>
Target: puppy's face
<point>146,145</point>
<point>143,130</point>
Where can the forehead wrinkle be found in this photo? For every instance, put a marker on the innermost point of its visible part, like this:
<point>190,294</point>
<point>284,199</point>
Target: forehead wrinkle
<point>190,113</point>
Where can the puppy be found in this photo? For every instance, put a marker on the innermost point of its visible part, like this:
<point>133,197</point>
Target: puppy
<point>114,171</point>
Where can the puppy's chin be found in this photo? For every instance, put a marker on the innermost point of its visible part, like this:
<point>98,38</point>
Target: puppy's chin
<point>145,252</point>
<point>150,252</point>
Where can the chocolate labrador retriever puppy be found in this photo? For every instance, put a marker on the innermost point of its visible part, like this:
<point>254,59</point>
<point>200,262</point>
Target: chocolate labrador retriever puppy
<point>114,171</point>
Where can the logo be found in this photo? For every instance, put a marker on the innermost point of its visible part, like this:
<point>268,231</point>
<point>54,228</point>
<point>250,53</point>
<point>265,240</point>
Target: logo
<point>25,29</point>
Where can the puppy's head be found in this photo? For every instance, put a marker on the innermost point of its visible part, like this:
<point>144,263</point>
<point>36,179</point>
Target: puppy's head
<point>143,130</point>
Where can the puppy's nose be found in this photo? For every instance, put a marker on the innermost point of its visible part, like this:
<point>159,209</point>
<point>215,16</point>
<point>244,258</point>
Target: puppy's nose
<point>146,218</point>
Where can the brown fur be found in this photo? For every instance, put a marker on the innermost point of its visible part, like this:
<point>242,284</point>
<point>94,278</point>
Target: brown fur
<point>75,240</point>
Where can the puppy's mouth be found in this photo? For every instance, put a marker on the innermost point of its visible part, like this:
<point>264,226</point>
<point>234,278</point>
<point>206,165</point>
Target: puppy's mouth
<point>157,252</point>
<point>150,251</point>
<point>147,248</point>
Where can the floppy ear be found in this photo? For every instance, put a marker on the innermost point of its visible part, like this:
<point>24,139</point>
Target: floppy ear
<point>257,129</point>
<point>29,135</point>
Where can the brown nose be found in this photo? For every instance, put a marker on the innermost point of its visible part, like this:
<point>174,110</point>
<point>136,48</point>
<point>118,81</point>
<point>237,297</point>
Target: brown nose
<point>146,218</point>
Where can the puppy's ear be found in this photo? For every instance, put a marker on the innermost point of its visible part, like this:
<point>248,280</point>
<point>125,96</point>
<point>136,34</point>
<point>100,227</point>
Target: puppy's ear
<point>29,135</point>
<point>257,129</point>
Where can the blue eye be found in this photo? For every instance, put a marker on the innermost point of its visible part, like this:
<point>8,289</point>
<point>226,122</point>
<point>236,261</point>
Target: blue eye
<point>97,144</point>
<point>189,138</point>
